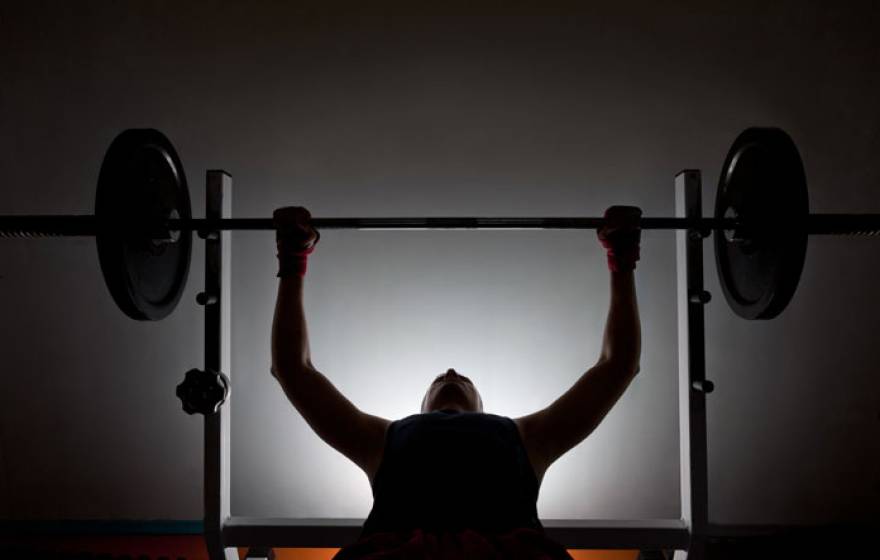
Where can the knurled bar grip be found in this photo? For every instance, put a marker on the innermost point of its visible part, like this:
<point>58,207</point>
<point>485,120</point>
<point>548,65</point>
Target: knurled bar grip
<point>844,224</point>
<point>48,226</point>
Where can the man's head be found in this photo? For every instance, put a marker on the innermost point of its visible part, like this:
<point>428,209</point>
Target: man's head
<point>452,391</point>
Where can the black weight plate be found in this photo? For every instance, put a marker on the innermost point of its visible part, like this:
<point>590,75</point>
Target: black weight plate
<point>762,182</point>
<point>142,183</point>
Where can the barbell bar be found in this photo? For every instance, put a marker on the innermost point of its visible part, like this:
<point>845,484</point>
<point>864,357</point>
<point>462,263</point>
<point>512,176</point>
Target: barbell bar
<point>817,224</point>
<point>52,226</point>
<point>142,209</point>
<point>90,226</point>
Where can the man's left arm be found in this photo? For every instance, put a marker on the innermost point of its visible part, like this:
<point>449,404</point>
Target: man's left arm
<point>566,422</point>
<point>574,415</point>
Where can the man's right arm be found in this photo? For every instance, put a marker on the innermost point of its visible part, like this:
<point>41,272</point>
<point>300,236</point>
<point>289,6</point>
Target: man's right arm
<point>290,339</point>
<point>335,419</point>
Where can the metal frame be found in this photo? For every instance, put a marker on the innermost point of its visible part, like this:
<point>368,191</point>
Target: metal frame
<point>691,297</point>
<point>218,276</point>
<point>686,535</point>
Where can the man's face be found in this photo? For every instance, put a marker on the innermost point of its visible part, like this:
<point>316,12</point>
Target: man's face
<point>452,391</point>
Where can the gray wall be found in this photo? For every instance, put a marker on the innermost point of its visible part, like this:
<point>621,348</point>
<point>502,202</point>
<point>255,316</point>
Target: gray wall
<point>454,114</point>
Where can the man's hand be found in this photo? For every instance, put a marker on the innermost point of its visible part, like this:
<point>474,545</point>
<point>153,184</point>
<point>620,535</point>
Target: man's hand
<point>293,228</point>
<point>620,236</point>
<point>295,239</point>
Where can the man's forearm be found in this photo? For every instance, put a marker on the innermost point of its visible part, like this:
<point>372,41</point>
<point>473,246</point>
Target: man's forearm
<point>623,334</point>
<point>290,341</point>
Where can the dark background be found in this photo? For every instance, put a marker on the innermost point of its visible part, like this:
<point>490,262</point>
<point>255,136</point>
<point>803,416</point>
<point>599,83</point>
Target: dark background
<point>551,110</point>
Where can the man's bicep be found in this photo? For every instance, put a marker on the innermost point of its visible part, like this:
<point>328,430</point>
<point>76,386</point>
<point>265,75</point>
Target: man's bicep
<point>334,418</point>
<point>574,415</point>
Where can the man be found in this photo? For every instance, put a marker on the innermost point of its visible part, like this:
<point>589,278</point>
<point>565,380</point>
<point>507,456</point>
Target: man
<point>453,481</point>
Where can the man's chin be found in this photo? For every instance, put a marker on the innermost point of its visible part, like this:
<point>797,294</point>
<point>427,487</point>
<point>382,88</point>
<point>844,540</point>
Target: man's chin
<point>454,404</point>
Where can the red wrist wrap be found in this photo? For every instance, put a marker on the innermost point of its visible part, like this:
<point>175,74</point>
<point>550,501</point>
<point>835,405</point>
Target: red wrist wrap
<point>623,250</point>
<point>293,257</point>
<point>293,262</point>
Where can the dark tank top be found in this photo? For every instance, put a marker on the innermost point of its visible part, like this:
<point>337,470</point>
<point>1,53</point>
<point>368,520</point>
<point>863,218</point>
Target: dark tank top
<point>449,470</point>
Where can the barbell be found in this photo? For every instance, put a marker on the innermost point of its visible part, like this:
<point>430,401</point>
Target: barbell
<point>143,223</point>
